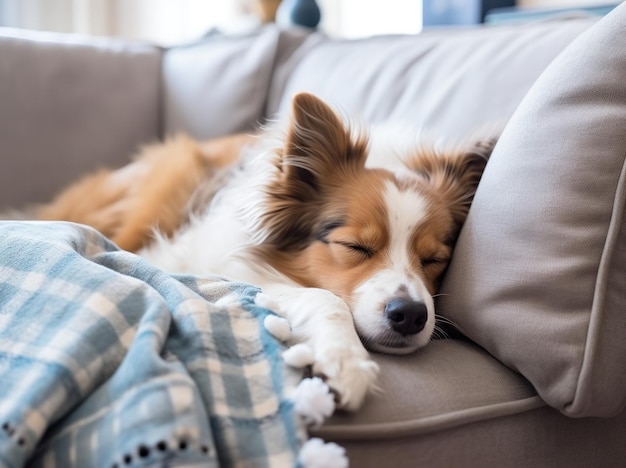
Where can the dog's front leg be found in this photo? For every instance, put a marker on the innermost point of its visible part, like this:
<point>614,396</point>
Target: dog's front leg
<point>324,322</point>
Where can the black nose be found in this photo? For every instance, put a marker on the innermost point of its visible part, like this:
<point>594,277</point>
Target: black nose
<point>406,316</point>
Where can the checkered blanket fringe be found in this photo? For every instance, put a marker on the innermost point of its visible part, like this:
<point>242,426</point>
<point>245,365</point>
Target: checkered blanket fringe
<point>106,361</point>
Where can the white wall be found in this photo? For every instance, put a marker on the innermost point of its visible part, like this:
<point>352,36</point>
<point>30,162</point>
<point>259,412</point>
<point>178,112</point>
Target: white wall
<point>174,21</point>
<point>92,17</point>
<point>35,14</point>
<point>171,21</point>
<point>81,16</point>
<point>358,18</point>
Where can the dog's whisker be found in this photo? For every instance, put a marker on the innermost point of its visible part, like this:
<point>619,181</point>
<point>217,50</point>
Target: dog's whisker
<point>442,319</point>
<point>439,334</point>
<point>446,321</point>
<point>440,295</point>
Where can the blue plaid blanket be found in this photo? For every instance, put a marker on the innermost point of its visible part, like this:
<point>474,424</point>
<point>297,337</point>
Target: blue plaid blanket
<point>107,361</point>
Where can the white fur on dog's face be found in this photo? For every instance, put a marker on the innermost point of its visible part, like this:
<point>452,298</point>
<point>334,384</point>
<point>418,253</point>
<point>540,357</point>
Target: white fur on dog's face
<point>405,210</point>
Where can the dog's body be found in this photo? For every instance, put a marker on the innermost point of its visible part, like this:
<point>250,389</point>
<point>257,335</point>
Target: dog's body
<point>350,255</point>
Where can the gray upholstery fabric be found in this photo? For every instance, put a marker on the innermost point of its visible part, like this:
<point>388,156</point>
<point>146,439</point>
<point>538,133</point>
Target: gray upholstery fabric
<point>443,83</point>
<point>293,46</point>
<point>447,384</point>
<point>221,84</point>
<point>538,274</point>
<point>453,405</point>
<point>540,438</point>
<point>69,105</point>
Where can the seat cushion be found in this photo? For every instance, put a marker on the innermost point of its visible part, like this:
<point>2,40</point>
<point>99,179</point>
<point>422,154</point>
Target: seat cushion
<point>538,276</point>
<point>539,438</point>
<point>447,384</point>
<point>453,405</point>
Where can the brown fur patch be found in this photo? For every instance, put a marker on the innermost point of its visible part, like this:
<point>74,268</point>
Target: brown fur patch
<point>318,154</point>
<point>347,252</point>
<point>152,192</point>
<point>453,174</point>
<point>430,247</point>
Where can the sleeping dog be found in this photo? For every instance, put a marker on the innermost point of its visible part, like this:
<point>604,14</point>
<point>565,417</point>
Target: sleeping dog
<point>350,254</point>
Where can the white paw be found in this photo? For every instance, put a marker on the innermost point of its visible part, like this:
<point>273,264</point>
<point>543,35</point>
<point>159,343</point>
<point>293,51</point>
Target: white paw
<point>348,371</point>
<point>299,355</point>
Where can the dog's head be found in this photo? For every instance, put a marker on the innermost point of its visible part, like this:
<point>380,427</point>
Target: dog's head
<point>379,240</point>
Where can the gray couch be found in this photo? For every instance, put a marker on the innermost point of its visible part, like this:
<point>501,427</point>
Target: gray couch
<point>537,285</point>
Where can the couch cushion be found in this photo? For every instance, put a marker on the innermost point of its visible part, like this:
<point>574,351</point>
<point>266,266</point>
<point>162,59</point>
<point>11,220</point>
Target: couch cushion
<point>220,85</point>
<point>454,405</point>
<point>539,273</point>
<point>538,438</point>
<point>447,384</point>
<point>445,83</point>
<point>68,105</point>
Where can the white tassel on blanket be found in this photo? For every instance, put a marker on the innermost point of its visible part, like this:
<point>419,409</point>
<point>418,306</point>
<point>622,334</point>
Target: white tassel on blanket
<point>317,454</point>
<point>313,401</point>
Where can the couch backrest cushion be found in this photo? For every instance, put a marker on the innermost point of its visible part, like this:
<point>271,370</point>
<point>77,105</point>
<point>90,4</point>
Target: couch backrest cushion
<point>445,83</point>
<point>539,274</point>
<point>68,105</point>
<point>221,84</point>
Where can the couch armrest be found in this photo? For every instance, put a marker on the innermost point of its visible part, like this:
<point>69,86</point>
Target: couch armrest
<point>68,105</point>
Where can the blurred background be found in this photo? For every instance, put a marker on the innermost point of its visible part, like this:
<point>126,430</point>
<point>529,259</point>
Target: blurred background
<point>168,22</point>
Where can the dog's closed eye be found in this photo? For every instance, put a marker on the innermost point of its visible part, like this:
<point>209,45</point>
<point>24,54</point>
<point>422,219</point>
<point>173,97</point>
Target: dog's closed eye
<point>360,249</point>
<point>433,261</point>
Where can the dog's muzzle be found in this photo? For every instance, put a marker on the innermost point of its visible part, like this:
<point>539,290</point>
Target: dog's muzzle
<point>406,316</point>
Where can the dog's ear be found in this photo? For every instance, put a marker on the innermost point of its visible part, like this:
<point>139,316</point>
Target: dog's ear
<point>454,174</point>
<point>318,145</point>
